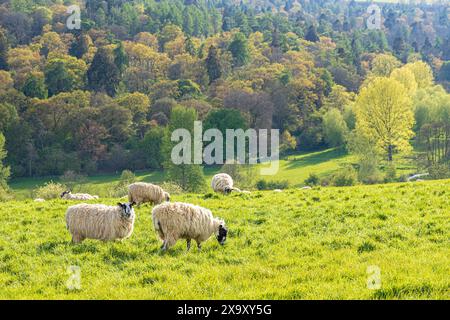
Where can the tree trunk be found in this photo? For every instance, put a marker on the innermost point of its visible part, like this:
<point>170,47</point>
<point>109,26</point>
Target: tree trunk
<point>390,151</point>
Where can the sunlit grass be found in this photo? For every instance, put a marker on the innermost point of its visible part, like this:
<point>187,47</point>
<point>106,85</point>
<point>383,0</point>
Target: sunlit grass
<point>292,245</point>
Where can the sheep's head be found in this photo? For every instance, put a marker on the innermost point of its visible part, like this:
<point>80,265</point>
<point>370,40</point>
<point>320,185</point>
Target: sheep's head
<point>127,209</point>
<point>167,196</point>
<point>228,190</point>
<point>64,193</point>
<point>221,233</point>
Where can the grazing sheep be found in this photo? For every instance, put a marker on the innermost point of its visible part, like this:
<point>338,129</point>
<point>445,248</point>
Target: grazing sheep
<point>141,192</point>
<point>278,190</point>
<point>178,220</point>
<point>98,221</point>
<point>39,200</point>
<point>223,183</point>
<point>68,195</point>
<point>306,188</point>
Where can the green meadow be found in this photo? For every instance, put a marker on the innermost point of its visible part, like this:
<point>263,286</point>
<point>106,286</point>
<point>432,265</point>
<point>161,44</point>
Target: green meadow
<point>322,243</point>
<point>294,169</point>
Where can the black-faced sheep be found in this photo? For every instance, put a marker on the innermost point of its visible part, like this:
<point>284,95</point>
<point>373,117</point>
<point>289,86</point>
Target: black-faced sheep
<point>178,220</point>
<point>68,195</point>
<point>141,192</point>
<point>223,183</point>
<point>97,221</point>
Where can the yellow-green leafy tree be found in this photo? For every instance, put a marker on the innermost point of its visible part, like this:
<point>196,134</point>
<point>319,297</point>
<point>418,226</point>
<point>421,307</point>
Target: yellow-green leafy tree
<point>384,112</point>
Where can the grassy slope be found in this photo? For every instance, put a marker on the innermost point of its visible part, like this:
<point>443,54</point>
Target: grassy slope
<point>295,169</point>
<point>292,245</point>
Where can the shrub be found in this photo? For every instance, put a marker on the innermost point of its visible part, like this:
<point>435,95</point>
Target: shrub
<point>391,173</point>
<point>368,172</point>
<point>312,180</point>
<point>5,195</point>
<point>71,179</point>
<point>243,175</point>
<point>345,177</point>
<point>126,178</point>
<point>50,190</point>
<point>271,185</point>
<point>171,188</point>
<point>439,171</point>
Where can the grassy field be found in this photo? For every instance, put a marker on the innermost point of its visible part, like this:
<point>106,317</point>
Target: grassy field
<point>295,169</point>
<point>299,244</point>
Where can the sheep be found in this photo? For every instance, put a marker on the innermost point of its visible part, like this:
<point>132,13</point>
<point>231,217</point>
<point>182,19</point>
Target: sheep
<point>141,192</point>
<point>306,188</point>
<point>223,183</point>
<point>176,220</point>
<point>98,221</point>
<point>39,200</point>
<point>278,190</point>
<point>68,195</point>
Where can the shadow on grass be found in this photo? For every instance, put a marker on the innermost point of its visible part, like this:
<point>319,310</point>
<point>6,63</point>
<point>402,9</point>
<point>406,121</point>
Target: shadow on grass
<point>51,246</point>
<point>316,158</point>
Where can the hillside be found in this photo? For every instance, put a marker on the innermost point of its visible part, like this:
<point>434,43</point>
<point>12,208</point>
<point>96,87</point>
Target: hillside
<point>312,244</point>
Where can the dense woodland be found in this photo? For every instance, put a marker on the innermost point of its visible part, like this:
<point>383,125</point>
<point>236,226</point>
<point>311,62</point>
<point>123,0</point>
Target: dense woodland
<point>103,98</point>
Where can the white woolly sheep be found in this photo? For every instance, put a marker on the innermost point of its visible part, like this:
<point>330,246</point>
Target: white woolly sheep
<point>223,183</point>
<point>278,190</point>
<point>98,221</point>
<point>178,220</point>
<point>39,200</point>
<point>68,195</point>
<point>306,188</point>
<point>141,192</point>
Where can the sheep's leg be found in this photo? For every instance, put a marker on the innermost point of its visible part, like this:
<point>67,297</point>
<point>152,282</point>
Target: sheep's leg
<point>163,246</point>
<point>169,242</point>
<point>199,245</point>
<point>188,242</point>
<point>76,238</point>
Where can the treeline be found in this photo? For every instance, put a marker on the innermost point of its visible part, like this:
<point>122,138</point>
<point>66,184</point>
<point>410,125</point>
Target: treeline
<point>102,98</point>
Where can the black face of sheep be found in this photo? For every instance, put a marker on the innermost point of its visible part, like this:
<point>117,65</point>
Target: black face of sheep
<point>222,236</point>
<point>167,197</point>
<point>228,190</point>
<point>64,193</point>
<point>127,209</point>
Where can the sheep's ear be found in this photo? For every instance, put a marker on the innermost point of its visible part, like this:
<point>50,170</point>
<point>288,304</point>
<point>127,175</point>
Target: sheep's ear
<point>120,204</point>
<point>133,204</point>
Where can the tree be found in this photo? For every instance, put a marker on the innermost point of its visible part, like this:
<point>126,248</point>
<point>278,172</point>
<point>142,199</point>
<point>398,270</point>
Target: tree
<point>35,87</point>
<point>3,51</point>
<point>213,65</point>
<point>384,64</point>
<point>120,57</point>
<point>422,73</point>
<point>334,128</point>
<point>6,81</point>
<point>311,34</point>
<point>188,176</point>
<point>223,119</point>
<point>139,105</point>
<point>65,73</point>
<point>239,50</point>
<point>4,170</point>
<point>444,73</point>
<point>151,146</point>
<point>384,111</point>
<point>103,74</point>
<point>80,46</point>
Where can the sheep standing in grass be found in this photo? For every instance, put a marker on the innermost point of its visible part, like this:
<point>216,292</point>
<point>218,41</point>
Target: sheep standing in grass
<point>98,221</point>
<point>77,196</point>
<point>141,192</point>
<point>178,220</point>
<point>223,183</point>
